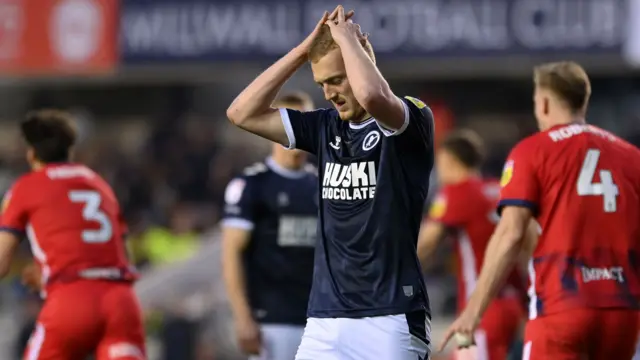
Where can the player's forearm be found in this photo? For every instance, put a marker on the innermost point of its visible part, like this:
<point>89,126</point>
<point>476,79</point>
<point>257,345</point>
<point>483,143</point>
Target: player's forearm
<point>426,250</point>
<point>367,83</point>
<point>500,256</point>
<point>256,99</point>
<point>234,280</point>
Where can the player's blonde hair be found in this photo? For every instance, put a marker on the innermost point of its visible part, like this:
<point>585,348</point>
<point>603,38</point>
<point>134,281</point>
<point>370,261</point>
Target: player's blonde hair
<point>568,80</point>
<point>324,43</point>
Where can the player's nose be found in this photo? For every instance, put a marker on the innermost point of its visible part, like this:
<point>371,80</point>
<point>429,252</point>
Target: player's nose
<point>329,94</point>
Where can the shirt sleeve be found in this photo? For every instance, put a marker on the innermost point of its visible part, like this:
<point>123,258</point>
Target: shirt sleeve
<point>14,217</point>
<point>304,128</point>
<point>418,122</point>
<point>519,182</point>
<point>446,210</point>
<point>240,204</point>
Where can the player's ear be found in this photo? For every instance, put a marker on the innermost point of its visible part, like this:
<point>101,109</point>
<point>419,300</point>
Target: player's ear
<point>31,156</point>
<point>545,106</point>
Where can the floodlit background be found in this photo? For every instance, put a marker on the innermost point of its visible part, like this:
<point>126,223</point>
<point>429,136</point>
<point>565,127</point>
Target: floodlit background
<point>150,82</point>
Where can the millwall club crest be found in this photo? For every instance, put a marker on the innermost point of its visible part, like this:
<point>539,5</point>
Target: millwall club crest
<point>371,140</point>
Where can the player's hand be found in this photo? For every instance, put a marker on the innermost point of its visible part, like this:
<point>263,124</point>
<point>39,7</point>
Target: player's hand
<point>249,337</point>
<point>465,325</point>
<point>32,277</point>
<point>342,27</point>
<point>306,43</point>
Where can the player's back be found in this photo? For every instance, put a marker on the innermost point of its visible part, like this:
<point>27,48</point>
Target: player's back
<point>75,226</point>
<point>589,248</point>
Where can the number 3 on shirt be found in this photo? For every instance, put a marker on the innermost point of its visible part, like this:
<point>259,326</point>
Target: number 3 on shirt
<point>91,212</point>
<point>605,188</point>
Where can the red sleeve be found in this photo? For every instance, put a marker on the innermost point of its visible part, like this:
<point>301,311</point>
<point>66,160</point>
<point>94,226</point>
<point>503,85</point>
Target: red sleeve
<point>14,215</point>
<point>447,209</point>
<point>519,181</point>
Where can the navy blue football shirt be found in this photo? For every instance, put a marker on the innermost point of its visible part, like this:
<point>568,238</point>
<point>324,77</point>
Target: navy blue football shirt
<point>373,184</point>
<point>279,207</point>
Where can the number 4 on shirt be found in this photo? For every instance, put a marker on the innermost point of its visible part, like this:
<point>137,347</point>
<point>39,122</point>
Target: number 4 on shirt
<point>605,188</point>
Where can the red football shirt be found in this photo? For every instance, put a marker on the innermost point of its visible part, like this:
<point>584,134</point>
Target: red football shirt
<point>469,209</point>
<point>583,185</point>
<point>73,222</point>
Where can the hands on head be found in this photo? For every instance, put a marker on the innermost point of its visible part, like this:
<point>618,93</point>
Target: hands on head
<point>341,25</point>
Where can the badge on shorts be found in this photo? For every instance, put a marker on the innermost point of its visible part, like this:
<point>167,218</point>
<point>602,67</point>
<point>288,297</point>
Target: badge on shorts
<point>507,173</point>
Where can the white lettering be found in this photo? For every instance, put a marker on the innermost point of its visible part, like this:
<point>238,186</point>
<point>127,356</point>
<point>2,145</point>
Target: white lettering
<point>356,181</point>
<point>198,28</point>
<point>359,175</point>
<point>65,172</point>
<point>569,131</point>
<point>602,274</point>
<point>297,231</point>
<point>194,29</point>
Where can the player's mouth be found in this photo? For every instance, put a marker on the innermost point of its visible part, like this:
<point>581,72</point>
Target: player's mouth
<point>339,104</point>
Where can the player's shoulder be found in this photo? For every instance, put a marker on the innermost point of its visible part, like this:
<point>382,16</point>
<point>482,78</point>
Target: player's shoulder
<point>532,142</point>
<point>464,191</point>
<point>28,181</point>
<point>417,107</point>
<point>17,187</point>
<point>450,192</point>
<point>250,176</point>
<point>256,169</point>
<point>322,114</point>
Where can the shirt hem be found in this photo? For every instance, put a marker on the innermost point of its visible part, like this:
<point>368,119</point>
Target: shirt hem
<point>362,313</point>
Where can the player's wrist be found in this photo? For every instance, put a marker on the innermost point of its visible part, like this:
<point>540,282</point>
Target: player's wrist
<point>347,40</point>
<point>300,52</point>
<point>242,316</point>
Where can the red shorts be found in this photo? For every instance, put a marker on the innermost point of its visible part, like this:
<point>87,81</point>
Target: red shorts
<point>594,334</point>
<point>89,317</point>
<point>499,327</point>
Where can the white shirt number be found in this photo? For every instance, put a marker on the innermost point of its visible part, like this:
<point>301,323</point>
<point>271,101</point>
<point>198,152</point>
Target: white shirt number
<point>605,188</point>
<point>92,212</point>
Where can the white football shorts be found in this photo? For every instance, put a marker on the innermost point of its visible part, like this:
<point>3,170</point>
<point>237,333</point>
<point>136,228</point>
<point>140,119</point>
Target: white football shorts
<point>392,337</point>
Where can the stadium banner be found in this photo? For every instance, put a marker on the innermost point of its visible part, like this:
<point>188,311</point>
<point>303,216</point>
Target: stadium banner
<point>156,31</point>
<point>57,37</point>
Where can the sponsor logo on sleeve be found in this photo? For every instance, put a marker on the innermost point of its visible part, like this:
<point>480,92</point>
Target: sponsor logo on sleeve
<point>417,102</point>
<point>5,201</point>
<point>438,207</point>
<point>507,173</point>
<point>234,191</point>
